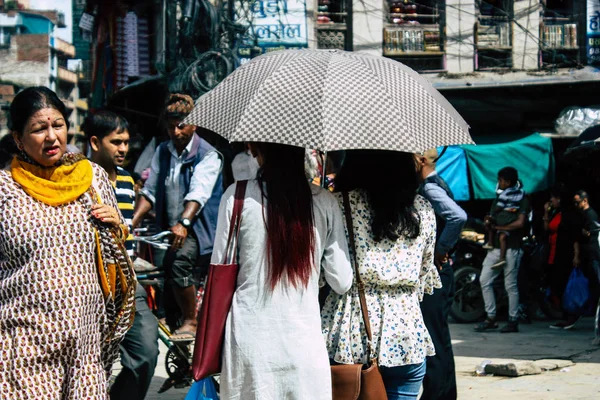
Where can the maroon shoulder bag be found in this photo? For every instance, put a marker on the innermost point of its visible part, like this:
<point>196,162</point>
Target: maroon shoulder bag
<point>218,295</point>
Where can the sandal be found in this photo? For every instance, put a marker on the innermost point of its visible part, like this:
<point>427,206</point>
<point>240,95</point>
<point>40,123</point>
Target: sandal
<point>486,325</point>
<point>182,336</point>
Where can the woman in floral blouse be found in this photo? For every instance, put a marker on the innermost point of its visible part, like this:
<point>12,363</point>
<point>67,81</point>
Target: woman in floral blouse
<point>394,231</point>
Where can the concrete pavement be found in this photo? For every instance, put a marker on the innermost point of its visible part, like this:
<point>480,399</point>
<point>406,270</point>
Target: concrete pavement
<point>533,342</point>
<point>160,375</point>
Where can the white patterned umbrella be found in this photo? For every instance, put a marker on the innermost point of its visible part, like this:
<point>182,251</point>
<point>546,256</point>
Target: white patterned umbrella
<point>330,100</point>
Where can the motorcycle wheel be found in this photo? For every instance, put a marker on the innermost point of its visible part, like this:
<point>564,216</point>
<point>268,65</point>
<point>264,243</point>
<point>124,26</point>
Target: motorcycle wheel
<point>467,305</point>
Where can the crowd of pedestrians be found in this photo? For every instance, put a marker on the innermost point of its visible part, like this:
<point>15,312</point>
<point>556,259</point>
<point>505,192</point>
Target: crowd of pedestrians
<point>67,300</point>
<point>572,232</point>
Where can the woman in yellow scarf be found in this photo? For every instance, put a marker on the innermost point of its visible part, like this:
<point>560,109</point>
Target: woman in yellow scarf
<point>66,288</point>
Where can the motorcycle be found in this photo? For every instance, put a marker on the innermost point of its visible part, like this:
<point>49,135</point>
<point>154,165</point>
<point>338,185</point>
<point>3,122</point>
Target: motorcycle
<point>468,305</point>
<point>467,260</point>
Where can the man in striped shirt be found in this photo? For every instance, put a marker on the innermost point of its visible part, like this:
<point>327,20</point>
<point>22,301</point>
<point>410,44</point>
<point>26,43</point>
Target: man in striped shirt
<point>125,200</point>
<point>108,136</point>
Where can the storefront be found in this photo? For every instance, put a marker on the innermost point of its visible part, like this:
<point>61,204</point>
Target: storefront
<point>333,26</point>
<point>414,33</point>
<point>560,37</point>
<point>494,35</point>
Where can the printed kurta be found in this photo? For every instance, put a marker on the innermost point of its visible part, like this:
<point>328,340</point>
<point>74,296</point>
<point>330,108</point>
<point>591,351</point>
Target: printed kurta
<point>396,274</point>
<point>52,314</point>
<point>273,347</point>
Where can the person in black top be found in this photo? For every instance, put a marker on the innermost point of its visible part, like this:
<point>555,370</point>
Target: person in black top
<point>590,248</point>
<point>564,219</point>
<point>591,227</point>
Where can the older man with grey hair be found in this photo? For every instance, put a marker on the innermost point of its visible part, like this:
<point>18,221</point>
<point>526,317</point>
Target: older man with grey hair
<point>184,188</point>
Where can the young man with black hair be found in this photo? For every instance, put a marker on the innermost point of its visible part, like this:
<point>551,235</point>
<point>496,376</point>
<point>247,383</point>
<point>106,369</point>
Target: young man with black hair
<point>492,261</point>
<point>108,137</point>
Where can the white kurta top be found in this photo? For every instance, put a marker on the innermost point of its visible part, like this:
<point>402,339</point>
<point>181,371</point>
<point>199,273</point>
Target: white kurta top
<point>273,348</point>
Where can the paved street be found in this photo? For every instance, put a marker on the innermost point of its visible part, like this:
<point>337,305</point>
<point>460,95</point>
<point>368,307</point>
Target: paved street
<point>534,342</point>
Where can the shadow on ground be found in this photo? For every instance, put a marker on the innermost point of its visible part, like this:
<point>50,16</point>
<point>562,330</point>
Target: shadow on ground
<point>533,342</point>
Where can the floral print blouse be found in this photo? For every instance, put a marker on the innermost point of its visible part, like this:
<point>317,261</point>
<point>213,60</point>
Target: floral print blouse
<point>396,274</point>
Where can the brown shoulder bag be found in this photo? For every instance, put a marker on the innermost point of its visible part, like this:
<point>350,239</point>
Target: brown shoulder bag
<point>358,381</point>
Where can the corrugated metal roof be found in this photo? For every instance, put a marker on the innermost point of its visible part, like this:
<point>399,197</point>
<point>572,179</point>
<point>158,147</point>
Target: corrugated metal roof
<point>479,80</point>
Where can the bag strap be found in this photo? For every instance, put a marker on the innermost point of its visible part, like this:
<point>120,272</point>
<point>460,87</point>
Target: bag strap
<point>359,283</point>
<point>236,219</point>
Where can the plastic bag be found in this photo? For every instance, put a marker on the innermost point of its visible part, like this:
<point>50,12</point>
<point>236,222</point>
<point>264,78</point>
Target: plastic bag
<point>574,120</point>
<point>203,390</point>
<point>577,293</point>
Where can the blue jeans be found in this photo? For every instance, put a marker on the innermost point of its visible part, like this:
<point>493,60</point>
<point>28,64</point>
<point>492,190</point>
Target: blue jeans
<point>404,382</point>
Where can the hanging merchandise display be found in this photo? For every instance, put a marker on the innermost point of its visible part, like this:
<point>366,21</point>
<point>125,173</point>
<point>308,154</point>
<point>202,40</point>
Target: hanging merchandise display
<point>121,47</point>
<point>126,48</point>
<point>103,70</point>
<point>143,36</point>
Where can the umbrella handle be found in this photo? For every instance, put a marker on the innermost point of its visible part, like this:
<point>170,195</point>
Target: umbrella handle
<point>323,168</point>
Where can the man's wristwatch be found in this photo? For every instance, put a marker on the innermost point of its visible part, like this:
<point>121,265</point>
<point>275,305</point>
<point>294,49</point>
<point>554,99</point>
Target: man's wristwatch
<point>185,222</point>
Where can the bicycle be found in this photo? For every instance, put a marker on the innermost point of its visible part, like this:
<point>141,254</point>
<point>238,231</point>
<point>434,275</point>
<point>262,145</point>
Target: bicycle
<point>178,357</point>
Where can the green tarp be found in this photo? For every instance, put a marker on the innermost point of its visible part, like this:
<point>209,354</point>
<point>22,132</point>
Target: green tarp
<point>532,156</point>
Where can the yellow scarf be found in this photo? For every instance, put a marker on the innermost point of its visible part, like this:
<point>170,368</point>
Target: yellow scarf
<point>54,186</point>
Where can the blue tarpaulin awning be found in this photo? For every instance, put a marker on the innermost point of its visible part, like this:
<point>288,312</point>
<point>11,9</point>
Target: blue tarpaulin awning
<point>471,170</point>
<point>452,166</point>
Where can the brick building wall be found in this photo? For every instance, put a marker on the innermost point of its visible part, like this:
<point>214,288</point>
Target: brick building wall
<point>32,48</point>
<point>26,61</point>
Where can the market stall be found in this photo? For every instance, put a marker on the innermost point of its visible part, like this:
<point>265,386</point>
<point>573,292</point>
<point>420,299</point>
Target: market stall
<point>471,170</point>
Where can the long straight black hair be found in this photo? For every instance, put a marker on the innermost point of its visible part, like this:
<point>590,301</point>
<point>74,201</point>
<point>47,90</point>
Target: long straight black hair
<point>289,219</point>
<point>391,182</point>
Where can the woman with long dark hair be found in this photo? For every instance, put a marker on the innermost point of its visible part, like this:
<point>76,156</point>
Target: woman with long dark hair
<point>394,231</point>
<point>290,231</point>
